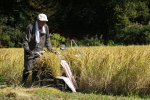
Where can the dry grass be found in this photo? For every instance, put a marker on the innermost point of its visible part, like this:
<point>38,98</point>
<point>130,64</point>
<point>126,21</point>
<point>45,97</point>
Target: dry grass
<point>117,70</point>
<point>19,93</point>
<point>11,65</point>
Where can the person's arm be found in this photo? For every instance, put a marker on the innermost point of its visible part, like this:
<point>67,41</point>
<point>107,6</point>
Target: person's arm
<point>27,39</point>
<point>48,42</point>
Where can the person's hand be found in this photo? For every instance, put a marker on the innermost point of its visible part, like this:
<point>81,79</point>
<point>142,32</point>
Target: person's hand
<point>29,52</point>
<point>56,52</point>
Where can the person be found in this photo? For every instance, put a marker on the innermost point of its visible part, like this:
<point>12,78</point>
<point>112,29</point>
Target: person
<point>36,38</point>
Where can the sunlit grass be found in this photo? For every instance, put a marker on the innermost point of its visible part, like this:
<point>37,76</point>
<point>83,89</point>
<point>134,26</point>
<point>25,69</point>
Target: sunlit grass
<point>48,93</point>
<point>11,65</point>
<point>104,69</point>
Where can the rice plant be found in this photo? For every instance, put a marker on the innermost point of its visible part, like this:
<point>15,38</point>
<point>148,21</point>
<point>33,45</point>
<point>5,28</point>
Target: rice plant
<point>110,70</point>
<point>11,65</point>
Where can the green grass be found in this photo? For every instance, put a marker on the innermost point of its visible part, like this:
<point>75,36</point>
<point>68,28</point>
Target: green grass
<point>48,93</point>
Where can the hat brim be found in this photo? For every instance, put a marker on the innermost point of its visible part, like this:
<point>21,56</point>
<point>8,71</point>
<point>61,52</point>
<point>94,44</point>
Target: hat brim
<point>43,20</point>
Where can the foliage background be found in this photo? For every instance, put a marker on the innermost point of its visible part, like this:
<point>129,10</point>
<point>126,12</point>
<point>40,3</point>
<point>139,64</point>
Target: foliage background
<point>113,22</point>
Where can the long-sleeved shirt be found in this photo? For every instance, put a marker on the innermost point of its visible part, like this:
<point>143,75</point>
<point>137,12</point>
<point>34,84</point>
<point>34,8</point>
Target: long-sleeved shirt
<point>29,42</point>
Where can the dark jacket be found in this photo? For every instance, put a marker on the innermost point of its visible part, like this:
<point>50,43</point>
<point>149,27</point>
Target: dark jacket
<point>29,39</point>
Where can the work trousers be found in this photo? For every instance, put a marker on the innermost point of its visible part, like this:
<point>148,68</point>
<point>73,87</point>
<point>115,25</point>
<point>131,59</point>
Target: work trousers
<point>29,68</point>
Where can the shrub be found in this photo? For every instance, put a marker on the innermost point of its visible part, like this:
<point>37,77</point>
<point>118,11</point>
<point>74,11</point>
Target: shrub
<point>90,41</point>
<point>146,32</point>
<point>56,39</point>
<point>9,36</point>
<point>134,34</point>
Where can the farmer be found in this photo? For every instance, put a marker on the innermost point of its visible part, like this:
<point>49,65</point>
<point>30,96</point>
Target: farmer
<point>37,36</point>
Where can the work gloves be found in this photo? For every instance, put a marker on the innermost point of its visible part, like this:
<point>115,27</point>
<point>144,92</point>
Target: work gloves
<point>54,51</point>
<point>29,52</point>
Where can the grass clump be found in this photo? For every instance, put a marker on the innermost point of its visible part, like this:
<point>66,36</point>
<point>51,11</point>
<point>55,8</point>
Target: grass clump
<point>117,69</point>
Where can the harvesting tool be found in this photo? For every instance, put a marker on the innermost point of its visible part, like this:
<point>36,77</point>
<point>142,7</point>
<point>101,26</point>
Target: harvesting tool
<point>66,82</point>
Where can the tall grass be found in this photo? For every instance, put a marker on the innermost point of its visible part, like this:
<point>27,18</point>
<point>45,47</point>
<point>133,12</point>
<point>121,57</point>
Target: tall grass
<point>115,70</point>
<point>11,66</point>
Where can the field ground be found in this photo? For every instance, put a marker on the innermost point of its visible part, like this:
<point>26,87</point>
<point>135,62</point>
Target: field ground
<point>47,93</point>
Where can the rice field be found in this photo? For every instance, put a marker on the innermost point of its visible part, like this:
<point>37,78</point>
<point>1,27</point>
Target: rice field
<point>117,70</point>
